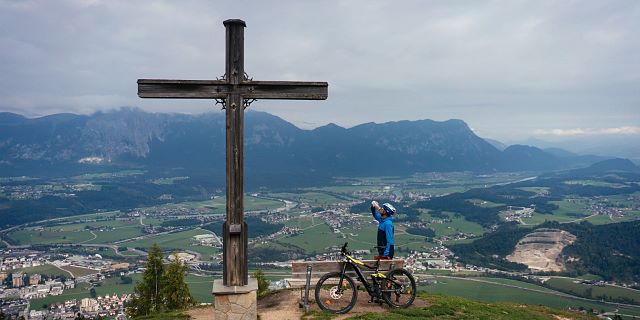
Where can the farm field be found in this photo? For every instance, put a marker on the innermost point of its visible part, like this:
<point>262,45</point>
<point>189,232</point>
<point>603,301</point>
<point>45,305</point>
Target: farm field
<point>46,269</point>
<point>538,218</point>
<point>314,239</point>
<point>96,225</point>
<point>457,224</point>
<point>79,271</point>
<point>496,293</point>
<point>120,233</point>
<point>312,198</point>
<point>611,292</point>
<point>574,208</point>
<point>218,204</point>
<point>48,236</point>
<point>177,241</point>
<point>200,288</point>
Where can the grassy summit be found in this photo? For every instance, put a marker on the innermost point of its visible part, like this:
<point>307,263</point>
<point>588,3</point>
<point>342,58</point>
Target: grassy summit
<point>449,307</point>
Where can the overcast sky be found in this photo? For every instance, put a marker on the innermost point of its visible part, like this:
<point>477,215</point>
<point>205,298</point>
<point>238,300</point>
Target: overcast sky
<point>510,69</point>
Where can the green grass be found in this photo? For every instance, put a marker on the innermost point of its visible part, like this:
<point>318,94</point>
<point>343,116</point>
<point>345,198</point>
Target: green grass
<point>538,218</point>
<point>95,224</point>
<point>48,236</point>
<point>600,219</point>
<point>79,271</point>
<point>200,288</point>
<point>121,233</point>
<point>314,239</point>
<point>46,269</point>
<point>447,307</point>
<point>167,181</point>
<point>494,292</point>
<point>171,315</point>
<point>595,183</point>
<point>484,203</point>
<point>457,224</point>
<point>76,232</point>
<point>537,190</point>
<point>589,276</point>
<point>316,199</point>
<point>347,190</point>
<point>218,205</point>
<point>437,191</point>
<point>303,221</point>
<point>178,241</point>
<point>611,292</point>
<point>86,216</point>
<point>108,175</point>
<point>570,209</point>
<point>517,283</point>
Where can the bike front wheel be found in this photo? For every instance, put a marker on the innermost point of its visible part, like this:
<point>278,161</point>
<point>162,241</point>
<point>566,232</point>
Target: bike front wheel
<point>399,288</point>
<point>336,297</point>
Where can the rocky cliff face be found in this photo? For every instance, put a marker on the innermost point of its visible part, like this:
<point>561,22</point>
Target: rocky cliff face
<point>134,137</point>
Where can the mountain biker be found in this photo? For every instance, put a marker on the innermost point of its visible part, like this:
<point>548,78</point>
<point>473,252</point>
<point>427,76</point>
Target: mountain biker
<point>384,215</point>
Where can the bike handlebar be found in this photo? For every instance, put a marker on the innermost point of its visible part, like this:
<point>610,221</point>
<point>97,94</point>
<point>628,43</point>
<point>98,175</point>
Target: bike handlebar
<point>344,248</point>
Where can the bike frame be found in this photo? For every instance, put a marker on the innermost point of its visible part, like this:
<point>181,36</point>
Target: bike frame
<point>368,286</point>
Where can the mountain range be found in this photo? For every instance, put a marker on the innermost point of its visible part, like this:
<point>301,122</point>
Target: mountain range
<point>131,138</point>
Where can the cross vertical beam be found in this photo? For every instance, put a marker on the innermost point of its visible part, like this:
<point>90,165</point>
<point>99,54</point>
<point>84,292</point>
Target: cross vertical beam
<point>234,89</point>
<point>235,261</point>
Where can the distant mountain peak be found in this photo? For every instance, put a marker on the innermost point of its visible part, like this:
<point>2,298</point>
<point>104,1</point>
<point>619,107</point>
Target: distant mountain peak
<point>133,137</point>
<point>330,126</point>
<point>617,164</point>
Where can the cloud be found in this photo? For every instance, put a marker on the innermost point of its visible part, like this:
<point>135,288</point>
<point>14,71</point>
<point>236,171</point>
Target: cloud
<point>503,67</point>
<point>626,130</point>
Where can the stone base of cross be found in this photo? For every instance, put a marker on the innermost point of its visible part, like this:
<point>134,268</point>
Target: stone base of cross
<point>235,302</point>
<point>236,91</point>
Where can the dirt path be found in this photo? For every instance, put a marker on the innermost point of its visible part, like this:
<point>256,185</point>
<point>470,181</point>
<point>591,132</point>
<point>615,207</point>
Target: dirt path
<point>283,305</point>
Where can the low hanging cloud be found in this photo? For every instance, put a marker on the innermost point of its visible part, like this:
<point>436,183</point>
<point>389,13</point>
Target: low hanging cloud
<point>588,131</point>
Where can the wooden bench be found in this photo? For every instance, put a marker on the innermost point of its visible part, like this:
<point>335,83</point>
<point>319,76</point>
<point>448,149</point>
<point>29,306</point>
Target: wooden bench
<point>319,268</point>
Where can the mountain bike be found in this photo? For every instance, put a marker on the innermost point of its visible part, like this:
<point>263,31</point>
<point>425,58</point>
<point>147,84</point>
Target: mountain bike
<point>336,292</point>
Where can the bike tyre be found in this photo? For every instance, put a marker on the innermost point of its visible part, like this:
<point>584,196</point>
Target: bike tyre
<point>336,275</point>
<point>388,297</point>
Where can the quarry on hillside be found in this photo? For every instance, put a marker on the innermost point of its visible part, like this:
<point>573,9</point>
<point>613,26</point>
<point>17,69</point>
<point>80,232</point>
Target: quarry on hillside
<point>540,250</point>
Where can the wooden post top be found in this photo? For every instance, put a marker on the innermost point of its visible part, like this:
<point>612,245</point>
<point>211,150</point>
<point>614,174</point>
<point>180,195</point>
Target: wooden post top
<point>230,22</point>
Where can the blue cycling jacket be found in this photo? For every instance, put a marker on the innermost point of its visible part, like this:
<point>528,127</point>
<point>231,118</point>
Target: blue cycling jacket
<point>385,231</point>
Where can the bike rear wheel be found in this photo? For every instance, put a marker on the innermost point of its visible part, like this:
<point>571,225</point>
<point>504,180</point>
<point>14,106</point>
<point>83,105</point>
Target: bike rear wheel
<point>399,288</point>
<point>336,297</point>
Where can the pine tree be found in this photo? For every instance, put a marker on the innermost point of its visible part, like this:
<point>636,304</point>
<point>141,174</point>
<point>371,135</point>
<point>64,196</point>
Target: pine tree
<point>148,293</point>
<point>175,290</point>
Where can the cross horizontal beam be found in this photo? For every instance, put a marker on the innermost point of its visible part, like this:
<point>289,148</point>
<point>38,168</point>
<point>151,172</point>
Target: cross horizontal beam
<point>220,89</point>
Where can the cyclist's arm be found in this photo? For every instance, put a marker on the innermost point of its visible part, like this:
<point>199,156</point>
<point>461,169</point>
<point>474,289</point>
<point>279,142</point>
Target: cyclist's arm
<point>376,214</point>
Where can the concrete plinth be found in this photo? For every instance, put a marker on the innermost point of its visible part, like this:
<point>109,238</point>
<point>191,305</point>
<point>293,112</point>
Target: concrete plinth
<point>235,302</point>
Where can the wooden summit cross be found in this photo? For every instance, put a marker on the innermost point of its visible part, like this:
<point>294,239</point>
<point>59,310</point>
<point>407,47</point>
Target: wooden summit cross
<point>236,91</point>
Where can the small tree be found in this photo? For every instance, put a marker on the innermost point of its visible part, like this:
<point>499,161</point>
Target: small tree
<point>263,283</point>
<point>175,290</point>
<point>148,293</point>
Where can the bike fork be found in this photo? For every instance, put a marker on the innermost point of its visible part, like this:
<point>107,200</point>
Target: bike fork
<point>344,271</point>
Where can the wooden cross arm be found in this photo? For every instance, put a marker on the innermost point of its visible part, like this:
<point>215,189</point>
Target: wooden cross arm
<point>219,89</point>
<point>177,89</point>
<point>294,90</point>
